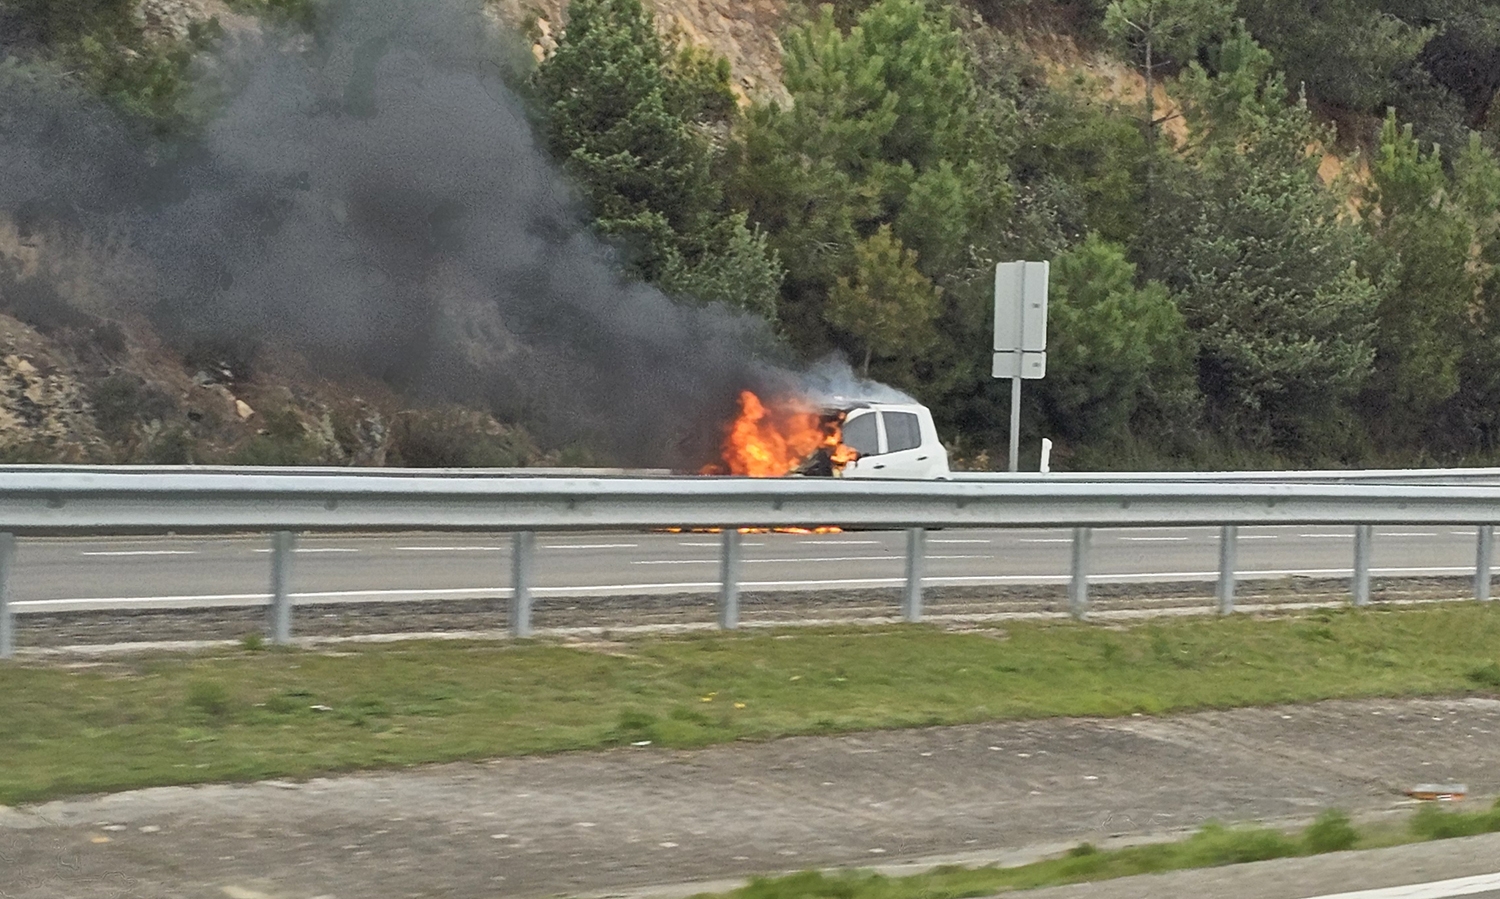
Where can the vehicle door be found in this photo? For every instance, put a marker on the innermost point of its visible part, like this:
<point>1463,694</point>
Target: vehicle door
<point>903,454</point>
<point>861,433</point>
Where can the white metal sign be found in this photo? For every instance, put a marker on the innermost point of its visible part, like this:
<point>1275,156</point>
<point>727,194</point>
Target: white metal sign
<point>1021,319</point>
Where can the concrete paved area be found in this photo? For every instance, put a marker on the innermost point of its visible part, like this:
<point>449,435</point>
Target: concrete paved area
<point>618,821</point>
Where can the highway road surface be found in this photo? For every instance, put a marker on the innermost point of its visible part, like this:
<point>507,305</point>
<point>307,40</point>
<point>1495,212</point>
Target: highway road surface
<point>78,574</point>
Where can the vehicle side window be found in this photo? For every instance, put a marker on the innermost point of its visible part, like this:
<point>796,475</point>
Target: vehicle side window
<point>860,435</point>
<point>902,431</point>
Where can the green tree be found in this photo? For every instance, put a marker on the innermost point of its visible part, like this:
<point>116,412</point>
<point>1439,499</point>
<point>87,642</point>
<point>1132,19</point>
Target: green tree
<point>1164,32</point>
<point>887,306</point>
<point>1266,268</point>
<point>1113,347</point>
<point>1426,241</point>
<point>886,130</point>
<point>626,115</point>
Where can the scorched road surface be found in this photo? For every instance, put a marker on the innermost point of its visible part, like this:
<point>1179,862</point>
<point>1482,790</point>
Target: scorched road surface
<point>592,822</point>
<point>67,575</point>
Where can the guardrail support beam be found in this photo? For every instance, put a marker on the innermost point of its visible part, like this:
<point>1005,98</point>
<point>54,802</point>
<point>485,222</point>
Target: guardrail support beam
<point>1484,558</point>
<point>522,557</point>
<point>7,619</point>
<point>1228,549</point>
<point>916,562</point>
<point>283,546</point>
<point>1364,536</point>
<point>729,580</point>
<point>1078,587</point>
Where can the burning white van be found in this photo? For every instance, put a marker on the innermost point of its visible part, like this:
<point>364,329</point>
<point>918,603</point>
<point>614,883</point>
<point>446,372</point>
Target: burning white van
<point>793,435</point>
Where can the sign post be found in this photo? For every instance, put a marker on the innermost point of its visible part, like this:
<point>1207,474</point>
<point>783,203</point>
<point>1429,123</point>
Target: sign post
<point>1020,334</point>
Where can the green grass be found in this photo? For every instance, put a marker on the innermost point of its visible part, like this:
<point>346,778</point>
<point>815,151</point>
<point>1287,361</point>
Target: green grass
<point>245,713</point>
<point>1212,846</point>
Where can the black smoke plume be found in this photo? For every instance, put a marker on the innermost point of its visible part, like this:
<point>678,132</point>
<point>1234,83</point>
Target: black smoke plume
<point>374,197</point>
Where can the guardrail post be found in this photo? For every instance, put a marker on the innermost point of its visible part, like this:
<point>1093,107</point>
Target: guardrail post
<point>522,555</point>
<point>916,558</point>
<point>1228,544</point>
<point>729,580</point>
<point>1484,557</point>
<point>1364,535</point>
<point>1078,587</point>
<point>7,620</point>
<point>283,545</point>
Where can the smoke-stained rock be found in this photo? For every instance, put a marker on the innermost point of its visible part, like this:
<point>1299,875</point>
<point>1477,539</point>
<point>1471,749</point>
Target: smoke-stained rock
<point>375,198</point>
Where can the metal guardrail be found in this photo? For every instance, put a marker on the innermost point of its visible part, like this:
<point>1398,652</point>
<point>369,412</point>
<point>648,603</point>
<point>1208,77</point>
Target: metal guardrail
<point>73,501</point>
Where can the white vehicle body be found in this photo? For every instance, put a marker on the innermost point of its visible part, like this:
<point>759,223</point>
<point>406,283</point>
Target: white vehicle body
<point>894,440</point>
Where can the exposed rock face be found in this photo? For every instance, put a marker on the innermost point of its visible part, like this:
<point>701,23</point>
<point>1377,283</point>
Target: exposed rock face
<point>173,19</point>
<point>743,31</point>
<point>43,411</point>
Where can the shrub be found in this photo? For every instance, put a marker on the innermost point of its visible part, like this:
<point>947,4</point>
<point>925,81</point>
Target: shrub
<point>1332,832</point>
<point>209,697</point>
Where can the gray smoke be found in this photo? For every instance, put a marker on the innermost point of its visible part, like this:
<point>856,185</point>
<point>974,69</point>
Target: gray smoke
<point>375,198</point>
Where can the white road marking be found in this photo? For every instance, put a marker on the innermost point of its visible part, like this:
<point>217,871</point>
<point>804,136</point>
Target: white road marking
<point>716,543</point>
<point>1441,889</point>
<point>315,549</point>
<point>1326,536</point>
<point>449,549</point>
<point>1156,539</point>
<point>839,542</point>
<point>1046,540</point>
<point>958,541</point>
<point>1259,537</point>
<point>141,552</point>
<point>589,545</point>
<point>1406,533</point>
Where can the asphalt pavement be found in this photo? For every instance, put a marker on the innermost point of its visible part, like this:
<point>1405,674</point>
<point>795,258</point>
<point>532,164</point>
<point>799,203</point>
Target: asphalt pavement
<point>76,574</point>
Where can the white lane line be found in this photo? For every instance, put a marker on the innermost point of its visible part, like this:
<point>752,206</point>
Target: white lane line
<point>1046,540</point>
<point>1441,889</point>
<point>141,552</point>
<point>716,544</point>
<point>1326,536</point>
<point>1259,537</point>
<point>449,549</point>
<point>1406,533</point>
<point>612,589</point>
<point>1157,539</point>
<point>958,541</point>
<point>890,558</point>
<point>837,541</point>
<point>315,549</point>
<point>589,545</point>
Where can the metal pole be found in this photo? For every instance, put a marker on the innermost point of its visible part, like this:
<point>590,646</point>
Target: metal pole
<point>916,558</point>
<point>522,553</point>
<point>1015,424</point>
<point>1078,588</point>
<point>1363,536</point>
<point>1228,540</point>
<point>7,622</point>
<point>283,545</point>
<point>1484,558</point>
<point>729,580</point>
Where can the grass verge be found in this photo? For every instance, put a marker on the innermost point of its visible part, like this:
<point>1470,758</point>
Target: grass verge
<point>1212,846</point>
<point>249,714</point>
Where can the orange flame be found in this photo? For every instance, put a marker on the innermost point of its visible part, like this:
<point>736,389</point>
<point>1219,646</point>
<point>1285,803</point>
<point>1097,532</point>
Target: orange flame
<point>772,441</point>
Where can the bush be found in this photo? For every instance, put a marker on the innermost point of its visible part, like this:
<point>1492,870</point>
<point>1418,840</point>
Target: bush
<point>209,697</point>
<point>1486,675</point>
<point>1332,832</point>
<point>1432,823</point>
<point>453,437</point>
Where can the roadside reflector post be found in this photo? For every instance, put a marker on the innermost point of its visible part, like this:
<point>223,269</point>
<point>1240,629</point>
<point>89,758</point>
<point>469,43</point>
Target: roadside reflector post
<point>916,560</point>
<point>729,580</point>
<point>1228,540</point>
<point>1484,558</point>
<point>7,621</point>
<point>1078,587</point>
<point>283,545</point>
<point>522,555</point>
<point>1364,535</point>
